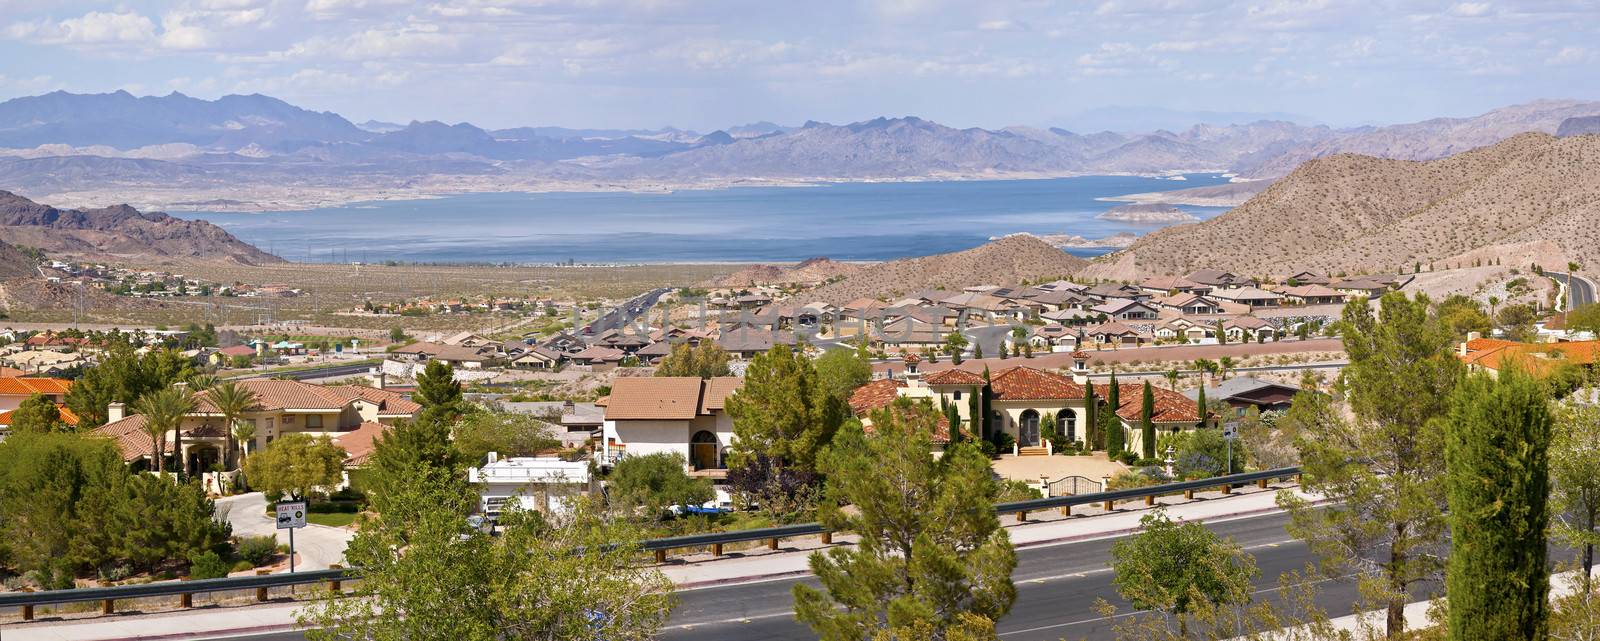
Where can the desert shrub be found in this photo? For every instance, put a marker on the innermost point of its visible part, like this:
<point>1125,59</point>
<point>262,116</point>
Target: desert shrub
<point>207,565</point>
<point>258,550</point>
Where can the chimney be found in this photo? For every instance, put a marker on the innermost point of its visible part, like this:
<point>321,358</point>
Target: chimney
<point>116,411</point>
<point>1461,350</point>
<point>568,408</point>
<point>494,457</point>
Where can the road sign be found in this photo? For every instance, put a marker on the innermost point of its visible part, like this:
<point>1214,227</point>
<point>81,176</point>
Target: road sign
<point>291,515</point>
<point>1230,431</point>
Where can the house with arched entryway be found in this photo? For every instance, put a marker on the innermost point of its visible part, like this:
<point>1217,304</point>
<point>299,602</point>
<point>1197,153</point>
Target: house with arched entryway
<point>679,414</point>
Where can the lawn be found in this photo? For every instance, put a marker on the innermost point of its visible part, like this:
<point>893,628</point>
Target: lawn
<point>331,519</point>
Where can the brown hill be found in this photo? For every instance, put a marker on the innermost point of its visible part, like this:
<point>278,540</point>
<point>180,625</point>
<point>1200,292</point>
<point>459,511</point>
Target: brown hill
<point>120,232</point>
<point>14,263</point>
<point>1532,196</point>
<point>811,271</point>
<point>1005,261</point>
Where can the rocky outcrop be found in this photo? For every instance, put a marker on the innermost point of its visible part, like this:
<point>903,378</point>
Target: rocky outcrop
<point>120,232</point>
<point>1006,261</point>
<point>1154,213</point>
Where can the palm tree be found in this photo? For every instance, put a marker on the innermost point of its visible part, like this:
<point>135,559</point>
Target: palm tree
<point>202,382</point>
<point>163,411</point>
<point>1172,379</point>
<point>244,432</point>
<point>1223,365</point>
<point>231,400</point>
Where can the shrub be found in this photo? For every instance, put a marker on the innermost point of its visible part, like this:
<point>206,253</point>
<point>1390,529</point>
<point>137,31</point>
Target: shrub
<point>241,566</point>
<point>987,447</point>
<point>1002,441</point>
<point>1014,490</point>
<point>207,565</point>
<point>258,550</point>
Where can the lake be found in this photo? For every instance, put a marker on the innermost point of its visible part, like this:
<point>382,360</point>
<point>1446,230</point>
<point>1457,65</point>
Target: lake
<point>844,221</point>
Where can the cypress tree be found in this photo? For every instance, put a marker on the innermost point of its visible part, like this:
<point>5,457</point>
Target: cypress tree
<point>1498,482</point>
<point>1091,426</point>
<point>1200,404</point>
<point>952,417</point>
<point>1115,439</point>
<point>1147,428</point>
<point>975,412</point>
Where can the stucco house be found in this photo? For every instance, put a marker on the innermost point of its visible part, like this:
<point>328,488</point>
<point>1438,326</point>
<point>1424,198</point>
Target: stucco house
<point>682,414</point>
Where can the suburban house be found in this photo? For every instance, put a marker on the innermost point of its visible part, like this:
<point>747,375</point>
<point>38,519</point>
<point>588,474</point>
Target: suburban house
<point>1116,333</point>
<point>13,391</point>
<point>1188,329</point>
<point>1249,295</point>
<point>908,332</point>
<point>1163,285</point>
<point>1244,392</point>
<point>1054,338</point>
<point>1125,309</point>
<point>598,356</point>
<point>1117,290</point>
<point>1071,316</point>
<point>1313,294</point>
<point>1309,278</point>
<point>1367,287</point>
<point>1540,359</point>
<point>538,357</point>
<point>458,356</point>
<point>539,483</point>
<point>1217,279</point>
<point>1192,304</point>
<point>681,414</point>
<point>282,407</point>
<point>1249,328</point>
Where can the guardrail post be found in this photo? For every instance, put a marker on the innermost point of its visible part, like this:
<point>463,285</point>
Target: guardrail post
<point>1066,510</point>
<point>185,600</point>
<point>261,592</point>
<point>27,610</point>
<point>827,538</point>
<point>661,556</point>
<point>1262,484</point>
<point>1227,488</point>
<point>1188,495</point>
<point>1297,479</point>
<point>1111,506</point>
<point>107,606</point>
<point>716,549</point>
<point>772,543</point>
<point>1022,516</point>
<point>1149,499</point>
<point>334,585</point>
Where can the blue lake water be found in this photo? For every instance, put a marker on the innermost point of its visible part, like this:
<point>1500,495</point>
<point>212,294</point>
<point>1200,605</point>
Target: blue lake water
<point>846,221</point>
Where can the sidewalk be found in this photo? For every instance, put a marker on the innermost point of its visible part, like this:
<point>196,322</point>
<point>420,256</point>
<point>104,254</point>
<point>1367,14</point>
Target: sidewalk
<point>691,572</point>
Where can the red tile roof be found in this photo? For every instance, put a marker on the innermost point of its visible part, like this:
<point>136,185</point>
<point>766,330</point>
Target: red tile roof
<point>1170,406</point>
<point>360,443</point>
<point>31,386</point>
<point>877,394</point>
<point>129,436</point>
<point>954,376</point>
<point>654,398</point>
<point>1027,383</point>
<point>66,416</point>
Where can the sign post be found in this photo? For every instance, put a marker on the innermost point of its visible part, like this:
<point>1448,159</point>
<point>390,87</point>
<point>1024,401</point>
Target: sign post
<point>1230,431</point>
<point>291,517</point>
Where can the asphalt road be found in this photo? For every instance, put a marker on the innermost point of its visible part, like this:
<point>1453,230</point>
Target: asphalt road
<point>1583,289</point>
<point>1057,587</point>
<point>630,310</point>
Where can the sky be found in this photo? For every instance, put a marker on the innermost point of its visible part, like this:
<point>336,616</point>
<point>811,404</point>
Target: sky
<point>708,64</point>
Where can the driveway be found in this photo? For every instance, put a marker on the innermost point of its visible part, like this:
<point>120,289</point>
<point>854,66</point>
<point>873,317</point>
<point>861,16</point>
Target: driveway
<point>317,546</point>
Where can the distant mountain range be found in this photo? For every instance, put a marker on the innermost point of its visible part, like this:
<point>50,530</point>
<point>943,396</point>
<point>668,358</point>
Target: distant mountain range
<point>258,152</point>
<point>1532,198</point>
<point>116,233</point>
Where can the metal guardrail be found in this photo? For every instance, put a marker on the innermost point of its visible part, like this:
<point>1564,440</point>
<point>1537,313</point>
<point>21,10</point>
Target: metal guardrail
<point>185,589</point>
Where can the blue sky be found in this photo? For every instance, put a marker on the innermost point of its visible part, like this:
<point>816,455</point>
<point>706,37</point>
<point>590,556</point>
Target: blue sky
<point>713,63</point>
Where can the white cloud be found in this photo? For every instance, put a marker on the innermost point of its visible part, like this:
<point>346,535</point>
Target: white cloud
<point>95,27</point>
<point>1570,56</point>
<point>178,31</point>
<point>1470,9</point>
<point>998,25</point>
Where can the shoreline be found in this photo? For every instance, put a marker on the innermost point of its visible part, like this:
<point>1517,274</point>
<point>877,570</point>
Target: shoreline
<point>267,199</point>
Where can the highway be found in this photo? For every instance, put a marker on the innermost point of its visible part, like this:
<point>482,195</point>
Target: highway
<point>1583,289</point>
<point>618,317</point>
<point>1057,586</point>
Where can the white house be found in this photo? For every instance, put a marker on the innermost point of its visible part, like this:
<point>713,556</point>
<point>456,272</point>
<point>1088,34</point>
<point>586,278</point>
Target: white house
<point>682,414</point>
<point>539,483</point>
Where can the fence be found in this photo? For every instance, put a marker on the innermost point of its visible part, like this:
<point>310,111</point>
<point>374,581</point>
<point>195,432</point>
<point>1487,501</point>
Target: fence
<point>184,590</point>
<point>1072,485</point>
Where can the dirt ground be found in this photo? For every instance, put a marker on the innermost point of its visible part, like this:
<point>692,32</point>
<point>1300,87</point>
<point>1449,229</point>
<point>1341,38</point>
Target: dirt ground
<point>1030,468</point>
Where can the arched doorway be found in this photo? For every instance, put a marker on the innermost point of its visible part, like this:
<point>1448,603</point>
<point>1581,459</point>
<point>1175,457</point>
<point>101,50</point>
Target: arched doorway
<point>202,458</point>
<point>703,450</point>
<point>1028,429</point>
<point>1067,424</point>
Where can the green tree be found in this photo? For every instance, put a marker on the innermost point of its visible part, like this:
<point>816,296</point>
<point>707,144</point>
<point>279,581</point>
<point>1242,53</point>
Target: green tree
<point>841,371</point>
<point>1225,364</point>
<point>1517,321</point>
<point>123,376</point>
<point>954,345</point>
<point>1116,436</point>
<point>1093,433</point>
<point>231,400</point>
<point>1575,480</point>
<point>1172,376</point>
<point>163,412</point>
<point>1177,569</point>
<point>397,334</point>
<point>648,485</point>
<point>42,476</point>
<point>1147,427</point>
<point>932,554</point>
<point>37,414</point>
<point>706,360</point>
<point>295,465</point>
<point>1382,470</point>
<point>1202,407</point>
<point>1463,315</point>
<point>1585,319</point>
<point>411,451</point>
<point>575,575</point>
<point>783,411</point>
<point>505,433</point>
<point>1498,478</point>
<point>439,393</point>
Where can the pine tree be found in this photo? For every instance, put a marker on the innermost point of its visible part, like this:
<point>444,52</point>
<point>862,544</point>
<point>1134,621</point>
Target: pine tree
<point>1498,478</point>
<point>1116,439</point>
<point>439,393</point>
<point>1147,428</point>
<point>37,414</point>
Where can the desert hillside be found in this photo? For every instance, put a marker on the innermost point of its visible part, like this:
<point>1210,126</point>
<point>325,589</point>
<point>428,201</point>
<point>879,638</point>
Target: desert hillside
<point>13,263</point>
<point>812,271</point>
<point>1005,261</point>
<point>1531,196</point>
<point>120,232</point>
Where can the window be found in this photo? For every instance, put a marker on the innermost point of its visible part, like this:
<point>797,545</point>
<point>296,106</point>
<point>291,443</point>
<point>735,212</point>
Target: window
<point>958,395</point>
<point>314,422</point>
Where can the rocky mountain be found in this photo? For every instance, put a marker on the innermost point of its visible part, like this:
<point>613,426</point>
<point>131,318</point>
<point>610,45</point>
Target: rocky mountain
<point>1578,126</point>
<point>1159,213</point>
<point>1532,197</point>
<point>1006,261</point>
<point>14,263</point>
<point>124,121</point>
<point>1425,140</point>
<point>120,232</point>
